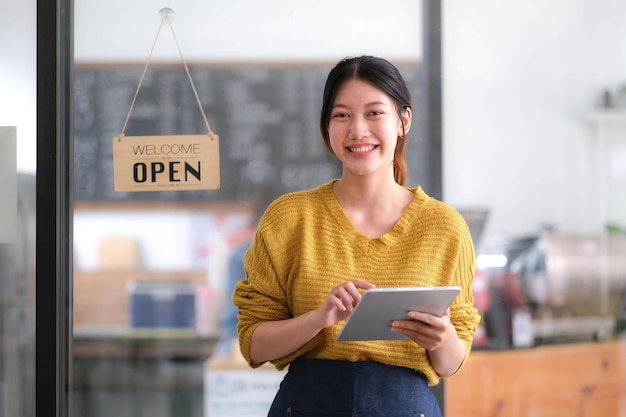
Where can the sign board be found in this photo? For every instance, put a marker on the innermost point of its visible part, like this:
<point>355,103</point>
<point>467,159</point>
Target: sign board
<point>8,184</point>
<point>166,163</point>
<point>236,393</point>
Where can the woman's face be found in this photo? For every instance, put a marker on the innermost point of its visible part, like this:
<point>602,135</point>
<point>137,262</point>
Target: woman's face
<point>364,128</point>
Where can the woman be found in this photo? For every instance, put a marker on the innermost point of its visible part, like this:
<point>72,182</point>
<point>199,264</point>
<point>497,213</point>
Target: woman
<point>315,251</point>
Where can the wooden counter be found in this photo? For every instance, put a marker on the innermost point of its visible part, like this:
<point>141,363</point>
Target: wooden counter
<point>127,343</point>
<point>582,380</point>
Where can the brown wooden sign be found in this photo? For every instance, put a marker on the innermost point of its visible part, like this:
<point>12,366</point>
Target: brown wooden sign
<point>166,163</point>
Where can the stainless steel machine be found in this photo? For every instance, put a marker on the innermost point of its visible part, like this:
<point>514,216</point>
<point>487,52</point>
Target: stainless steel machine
<point>557,286</point>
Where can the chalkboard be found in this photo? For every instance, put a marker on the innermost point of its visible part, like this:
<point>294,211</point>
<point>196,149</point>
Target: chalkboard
<point>267,118</point>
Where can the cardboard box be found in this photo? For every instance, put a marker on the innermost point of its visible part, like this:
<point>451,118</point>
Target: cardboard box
<point>118,253</point>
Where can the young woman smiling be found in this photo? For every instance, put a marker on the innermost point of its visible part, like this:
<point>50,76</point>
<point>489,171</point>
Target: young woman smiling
<point>315,251</point>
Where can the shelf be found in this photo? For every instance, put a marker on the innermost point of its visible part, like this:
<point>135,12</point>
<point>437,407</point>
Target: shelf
<point>101,297</point>
<point>608,117</point>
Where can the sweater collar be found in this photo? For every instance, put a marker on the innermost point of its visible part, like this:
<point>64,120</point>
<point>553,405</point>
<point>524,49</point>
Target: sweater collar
<point>368,245</point>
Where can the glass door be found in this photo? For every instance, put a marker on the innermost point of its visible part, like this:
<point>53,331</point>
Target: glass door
<point>533,134</point>
<point>150,281</point>
<point>18,122</point>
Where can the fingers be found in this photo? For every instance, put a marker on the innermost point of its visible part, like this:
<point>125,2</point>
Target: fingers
<point>425,329</point>
<point>340,302</point>
<point>429,318</point>
<point>347,295</point>
<point>421,333</point>
<point>364,285</point>
<point>413,327</point>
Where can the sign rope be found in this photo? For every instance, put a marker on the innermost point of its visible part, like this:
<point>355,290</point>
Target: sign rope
<point>165,14</point>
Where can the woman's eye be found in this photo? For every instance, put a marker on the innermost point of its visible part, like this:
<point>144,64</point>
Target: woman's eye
<point>376,113</point>
<point>340,115</point>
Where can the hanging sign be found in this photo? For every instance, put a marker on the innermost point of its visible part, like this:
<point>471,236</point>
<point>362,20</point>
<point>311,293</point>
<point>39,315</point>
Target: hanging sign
<point>166,163</point>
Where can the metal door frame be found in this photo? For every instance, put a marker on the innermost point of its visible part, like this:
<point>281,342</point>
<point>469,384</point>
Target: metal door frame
<point>54,207</point>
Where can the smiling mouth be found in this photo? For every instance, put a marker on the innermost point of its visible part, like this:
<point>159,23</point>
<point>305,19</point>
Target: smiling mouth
<point>361,149</point>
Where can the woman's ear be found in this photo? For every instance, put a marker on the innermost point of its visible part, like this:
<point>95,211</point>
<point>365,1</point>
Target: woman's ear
<point>405,121</point>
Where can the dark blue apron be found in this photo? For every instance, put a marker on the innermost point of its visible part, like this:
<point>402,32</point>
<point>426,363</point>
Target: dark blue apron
<point>315,388</point>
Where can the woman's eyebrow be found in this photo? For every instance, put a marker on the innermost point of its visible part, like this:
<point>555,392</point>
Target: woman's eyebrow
<point>371,103</point>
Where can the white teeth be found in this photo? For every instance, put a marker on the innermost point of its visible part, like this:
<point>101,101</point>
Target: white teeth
<point>362,149</point>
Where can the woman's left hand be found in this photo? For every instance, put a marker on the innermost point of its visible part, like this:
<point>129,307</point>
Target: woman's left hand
<point>427,330</point>
<point>438,336</point>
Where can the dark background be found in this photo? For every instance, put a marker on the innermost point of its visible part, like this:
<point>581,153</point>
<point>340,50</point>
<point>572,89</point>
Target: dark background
<point>267,119</point>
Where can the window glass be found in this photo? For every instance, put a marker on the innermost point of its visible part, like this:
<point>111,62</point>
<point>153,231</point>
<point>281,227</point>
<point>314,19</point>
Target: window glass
<point>151,274</point>
<point>532,149</point>
<point>18,124</point>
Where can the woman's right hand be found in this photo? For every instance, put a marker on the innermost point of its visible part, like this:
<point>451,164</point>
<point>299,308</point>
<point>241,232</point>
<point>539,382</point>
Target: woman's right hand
<point>340,302</point>
<point>293,333</point>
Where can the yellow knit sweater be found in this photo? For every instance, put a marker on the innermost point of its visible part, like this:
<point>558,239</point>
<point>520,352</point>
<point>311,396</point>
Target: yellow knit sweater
<point>305,244</point>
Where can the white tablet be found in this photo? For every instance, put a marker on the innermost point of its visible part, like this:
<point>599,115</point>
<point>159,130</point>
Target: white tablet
<point>372,316</point>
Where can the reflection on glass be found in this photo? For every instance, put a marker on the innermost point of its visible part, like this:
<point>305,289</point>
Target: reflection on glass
<point>150,279</point>
<point>18,126</point>
<point>17,308</point>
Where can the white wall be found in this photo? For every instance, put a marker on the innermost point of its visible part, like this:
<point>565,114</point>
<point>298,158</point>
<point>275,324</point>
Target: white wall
<point>520,80</point>
<point>168,240</point>
<point>248,30</point>
<point>18,79</point>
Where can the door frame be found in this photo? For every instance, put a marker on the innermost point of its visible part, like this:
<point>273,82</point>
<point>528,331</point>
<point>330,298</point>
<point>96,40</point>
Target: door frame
<point>54,207</point>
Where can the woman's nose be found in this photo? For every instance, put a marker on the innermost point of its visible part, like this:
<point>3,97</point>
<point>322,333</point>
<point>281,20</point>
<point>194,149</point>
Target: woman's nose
<point>358,128</point>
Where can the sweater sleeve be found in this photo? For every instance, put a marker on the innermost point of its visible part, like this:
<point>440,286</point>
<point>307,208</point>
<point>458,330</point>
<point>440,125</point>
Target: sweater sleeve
<point>463,314</point>
<point>259,297</point>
